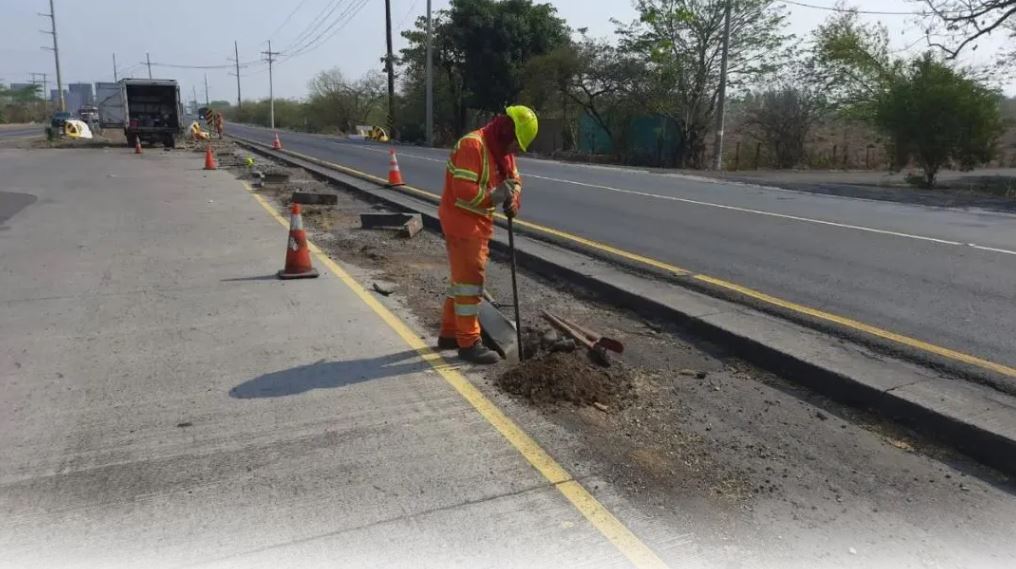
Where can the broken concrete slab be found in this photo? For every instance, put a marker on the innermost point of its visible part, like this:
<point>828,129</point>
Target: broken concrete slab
<point>275,177</point>
<point>310,198</point>
<point>408,224</point>
<point>411,227</point>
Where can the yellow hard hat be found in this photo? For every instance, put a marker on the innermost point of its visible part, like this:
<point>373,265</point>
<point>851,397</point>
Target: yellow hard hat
<point>526,124</point>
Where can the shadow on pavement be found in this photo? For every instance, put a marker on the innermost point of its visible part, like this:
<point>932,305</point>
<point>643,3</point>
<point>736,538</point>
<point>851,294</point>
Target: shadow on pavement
<point>328,375</point>
<point>13,202</point>
<point>271,277</point>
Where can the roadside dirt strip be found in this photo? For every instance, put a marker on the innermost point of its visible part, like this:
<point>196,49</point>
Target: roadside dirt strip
<point>976,419</point>
<point>691,434</point>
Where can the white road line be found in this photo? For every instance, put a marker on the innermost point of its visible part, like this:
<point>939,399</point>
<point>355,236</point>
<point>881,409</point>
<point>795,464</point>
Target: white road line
<point>737,209</point>
<point>995,249</point>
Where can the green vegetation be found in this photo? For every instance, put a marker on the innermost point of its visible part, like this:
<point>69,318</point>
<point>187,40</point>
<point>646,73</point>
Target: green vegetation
<point>22,105</point>
<point>934,115</point>
<point>648,95</point>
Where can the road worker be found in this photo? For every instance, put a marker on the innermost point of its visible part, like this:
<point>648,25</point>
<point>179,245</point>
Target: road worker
<point>220,123</point>
<point>481,173</point>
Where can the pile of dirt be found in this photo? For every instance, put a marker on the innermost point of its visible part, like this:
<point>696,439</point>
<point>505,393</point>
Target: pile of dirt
<point>557,377</point>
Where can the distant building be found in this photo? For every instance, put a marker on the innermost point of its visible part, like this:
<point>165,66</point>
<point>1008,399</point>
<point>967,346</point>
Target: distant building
<point>84,91</point>
<point>72,100</point>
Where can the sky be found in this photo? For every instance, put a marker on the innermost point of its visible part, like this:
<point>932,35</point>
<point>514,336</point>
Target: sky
<point>347,34</point>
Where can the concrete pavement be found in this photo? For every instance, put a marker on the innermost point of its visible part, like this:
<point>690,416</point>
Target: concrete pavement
<point>167,402</point>
<point>940,276</point>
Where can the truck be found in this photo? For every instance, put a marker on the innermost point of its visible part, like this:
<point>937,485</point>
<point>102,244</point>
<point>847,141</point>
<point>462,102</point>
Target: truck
<point>148,110</point>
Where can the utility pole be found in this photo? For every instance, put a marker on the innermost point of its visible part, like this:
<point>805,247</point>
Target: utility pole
<point>207,104</point>
<point>194,97</point>
<point>236,53</point>
<point>115,79</point>
<point>389,66</point>
<point>430,81</point>
<point>56,54</point>
<point>45,86</point>
<point>148,59</point>
<point>721,99</point>
<point>270,55</point>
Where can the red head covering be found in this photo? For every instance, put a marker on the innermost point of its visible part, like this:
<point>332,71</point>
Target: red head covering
<point>499,133</point>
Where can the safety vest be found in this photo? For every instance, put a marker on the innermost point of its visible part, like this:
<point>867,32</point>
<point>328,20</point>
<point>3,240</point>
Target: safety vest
<point>466,209</point>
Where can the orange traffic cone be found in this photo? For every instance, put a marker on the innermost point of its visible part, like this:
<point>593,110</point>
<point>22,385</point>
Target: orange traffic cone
<point>209,158</point>
<point>276,144</point>
<point>297,253</point>
<point>137,146</point>
<point>394,175</point>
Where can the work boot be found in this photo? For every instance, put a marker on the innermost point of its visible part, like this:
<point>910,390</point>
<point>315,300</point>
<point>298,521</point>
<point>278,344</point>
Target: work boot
<point>447,343</point>
<point>479,354</point>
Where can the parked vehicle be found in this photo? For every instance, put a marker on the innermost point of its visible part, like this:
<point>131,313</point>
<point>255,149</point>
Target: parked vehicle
<point>58,120</point>
<point>88,113</point>
<point>148,110</point>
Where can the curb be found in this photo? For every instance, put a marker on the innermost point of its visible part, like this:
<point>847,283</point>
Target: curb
<point>974,419</point>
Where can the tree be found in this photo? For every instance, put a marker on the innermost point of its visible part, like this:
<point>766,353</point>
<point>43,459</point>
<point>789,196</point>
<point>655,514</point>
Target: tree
<point>935,115</point>
<point>480,48</point>
<point>955,24</point>
<point>781,118</point>
<point>680,45</point>
<point>338,103</point>
<point>497,38</point>
<point>450,95</point>
<point>850,62</point>
<point>22,105</point>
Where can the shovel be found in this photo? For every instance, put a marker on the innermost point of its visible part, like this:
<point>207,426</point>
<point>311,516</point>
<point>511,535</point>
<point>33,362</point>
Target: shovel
<point>597,352</point>
<point>607,342</point>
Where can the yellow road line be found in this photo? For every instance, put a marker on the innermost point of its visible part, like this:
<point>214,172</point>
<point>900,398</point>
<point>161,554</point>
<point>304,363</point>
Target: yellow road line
<point>854,325</point>
<point>599,516</point>
<point>861,326</point>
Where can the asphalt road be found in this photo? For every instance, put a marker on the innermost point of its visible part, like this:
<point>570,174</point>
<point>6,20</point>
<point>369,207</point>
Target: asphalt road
<point>944,276</point>
<point>19,132</point>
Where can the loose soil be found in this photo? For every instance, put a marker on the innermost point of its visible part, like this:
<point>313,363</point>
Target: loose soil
<point>554,377</point>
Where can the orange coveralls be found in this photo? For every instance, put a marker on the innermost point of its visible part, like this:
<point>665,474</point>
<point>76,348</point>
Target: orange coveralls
<point>467,220</point>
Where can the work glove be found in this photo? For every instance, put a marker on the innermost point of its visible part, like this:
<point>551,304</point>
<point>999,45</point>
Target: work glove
<point>511,190</point>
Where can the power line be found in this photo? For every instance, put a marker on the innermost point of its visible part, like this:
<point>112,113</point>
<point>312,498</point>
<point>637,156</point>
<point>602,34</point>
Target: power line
<point>406,16</point>
<point>314,26</point>
<point>344,18</point>
<point>313,42</point>
<point>853,10</point>
<point>288,18</point>
<point>243,64</point>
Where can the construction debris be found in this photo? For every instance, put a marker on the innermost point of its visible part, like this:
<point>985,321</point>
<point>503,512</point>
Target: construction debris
<point>275,177</point>
<point>308,198</point>
<point>408,224</point>
<point>384,289</point>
